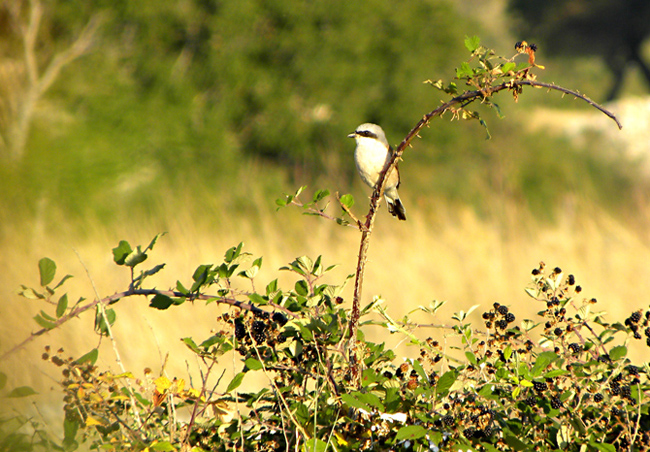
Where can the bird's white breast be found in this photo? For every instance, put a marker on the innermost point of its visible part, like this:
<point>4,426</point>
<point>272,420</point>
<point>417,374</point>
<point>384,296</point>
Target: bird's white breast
<point>370,157</point>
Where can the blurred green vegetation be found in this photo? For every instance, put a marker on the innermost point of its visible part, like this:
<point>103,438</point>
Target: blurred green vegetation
<point>219,102</point>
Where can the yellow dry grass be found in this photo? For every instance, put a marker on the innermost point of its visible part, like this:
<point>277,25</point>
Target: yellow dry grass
<point>451,255</point>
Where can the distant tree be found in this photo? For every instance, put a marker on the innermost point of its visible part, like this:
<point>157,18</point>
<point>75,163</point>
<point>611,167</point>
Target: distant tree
<point>612,30</point>
<point>29,67</point>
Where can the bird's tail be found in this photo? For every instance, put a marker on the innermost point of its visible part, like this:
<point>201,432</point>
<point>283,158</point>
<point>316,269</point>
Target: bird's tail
<point>396,208</point>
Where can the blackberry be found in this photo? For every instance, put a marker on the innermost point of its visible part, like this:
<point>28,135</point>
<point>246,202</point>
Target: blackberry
<point>531,401</point>
<point>503,310</point>
<point>388,375</point>
<point>448,420</point>
<point>617,378</point>
<point>616,390</point>
<point>535,272</point>
<point>557,332</point>
<point>626,392</point>
<point>260,314</point>
<point>240,329</point>
<point>556,403</point>
<point>556,269</point>
<point>572,280</point>
<point>575,348</point>
<point>469,432</point>
<point>633,370</point>
<point>259,331</point>
<point>578,289</point>
<point>637,335</point>
<point>647,332</point>
<point>548,325</point>
<point>279,318</point>
<point>502,324</point>
<point>636,316</point>
<point>540,386</point>
<point>510,317</point>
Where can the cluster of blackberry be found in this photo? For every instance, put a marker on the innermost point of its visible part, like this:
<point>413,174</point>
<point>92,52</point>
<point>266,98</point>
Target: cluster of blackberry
<point>263,328</point>
<point>634,323</point>
<point>498,318</point>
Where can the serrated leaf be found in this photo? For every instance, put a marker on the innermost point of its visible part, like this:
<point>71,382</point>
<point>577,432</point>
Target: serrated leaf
<point>90,357</point>
<point>370,399</point>
<point>472,43</point>
<point>160,301</point>
<point>21,391</point>
<point>233,253</point>
<point>235,382</point>
<point>47,270</point>
<point>410,432</point>
<point>62,305</point>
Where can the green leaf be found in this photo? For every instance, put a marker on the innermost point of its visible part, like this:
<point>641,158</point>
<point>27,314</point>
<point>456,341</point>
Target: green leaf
<point>472,43</point>
<point>272,287</point>
<point>515,443</point>
<point>64,279</point>
<point>555,373</point>
<point>47,270</point>
<point>120,252</point>
<point>70,428</point>
<point>90,357</point>
<point>446,381</point>
<point>618,352</point>
<point>411,432</point>
<point>233,253</point>
<point>253,364</point>
<point>602,446</point>
<point>100,320</point>
<point>21,391</point>
<point>302,288</point>
<point>47,324</point>
<point>135,257</point>
<point>191,344</point>
<point>544,359</point>
<point>347,200</point>
<point>181,288</point>
<point>257,299</point>
<point>236,381</point>
<point>163,446</point>
<point>465,70</point>
<point>507,67</point>
<point>320,194</point>
<point>314,445</point>
<point>160,301</point>
<point>420,370</point>
<point>353,402</point>
<point>370,399</point>
<point>154,240</point>
<point>62,305</point>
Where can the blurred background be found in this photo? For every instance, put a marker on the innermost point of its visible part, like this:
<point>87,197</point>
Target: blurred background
<point>122,119</point>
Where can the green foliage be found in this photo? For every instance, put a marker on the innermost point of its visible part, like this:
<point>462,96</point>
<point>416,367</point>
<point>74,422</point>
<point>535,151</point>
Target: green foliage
<point>494,387</point>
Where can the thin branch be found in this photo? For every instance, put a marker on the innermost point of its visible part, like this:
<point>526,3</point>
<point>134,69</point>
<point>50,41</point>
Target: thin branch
<point>463,99</point>
<point>75,312</point>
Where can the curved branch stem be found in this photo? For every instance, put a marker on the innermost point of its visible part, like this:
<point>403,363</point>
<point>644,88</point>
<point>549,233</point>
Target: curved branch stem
<point>463,99</point>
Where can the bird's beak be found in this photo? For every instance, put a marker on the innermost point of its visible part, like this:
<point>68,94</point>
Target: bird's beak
<point>352,135</point>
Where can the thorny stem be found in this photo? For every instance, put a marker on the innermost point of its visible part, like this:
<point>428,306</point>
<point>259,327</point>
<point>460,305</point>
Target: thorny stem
<point>463,99</point>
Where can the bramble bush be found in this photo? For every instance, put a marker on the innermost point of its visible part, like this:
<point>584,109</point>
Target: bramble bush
<point>561,381</point>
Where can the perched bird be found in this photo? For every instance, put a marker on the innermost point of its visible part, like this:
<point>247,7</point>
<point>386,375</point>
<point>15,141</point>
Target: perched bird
<point>371,155</point>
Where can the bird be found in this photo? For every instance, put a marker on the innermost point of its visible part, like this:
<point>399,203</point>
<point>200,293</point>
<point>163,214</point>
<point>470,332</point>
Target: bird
<point>371,155</point>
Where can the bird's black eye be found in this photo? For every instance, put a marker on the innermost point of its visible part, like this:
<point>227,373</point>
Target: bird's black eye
<point>366,133</point>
